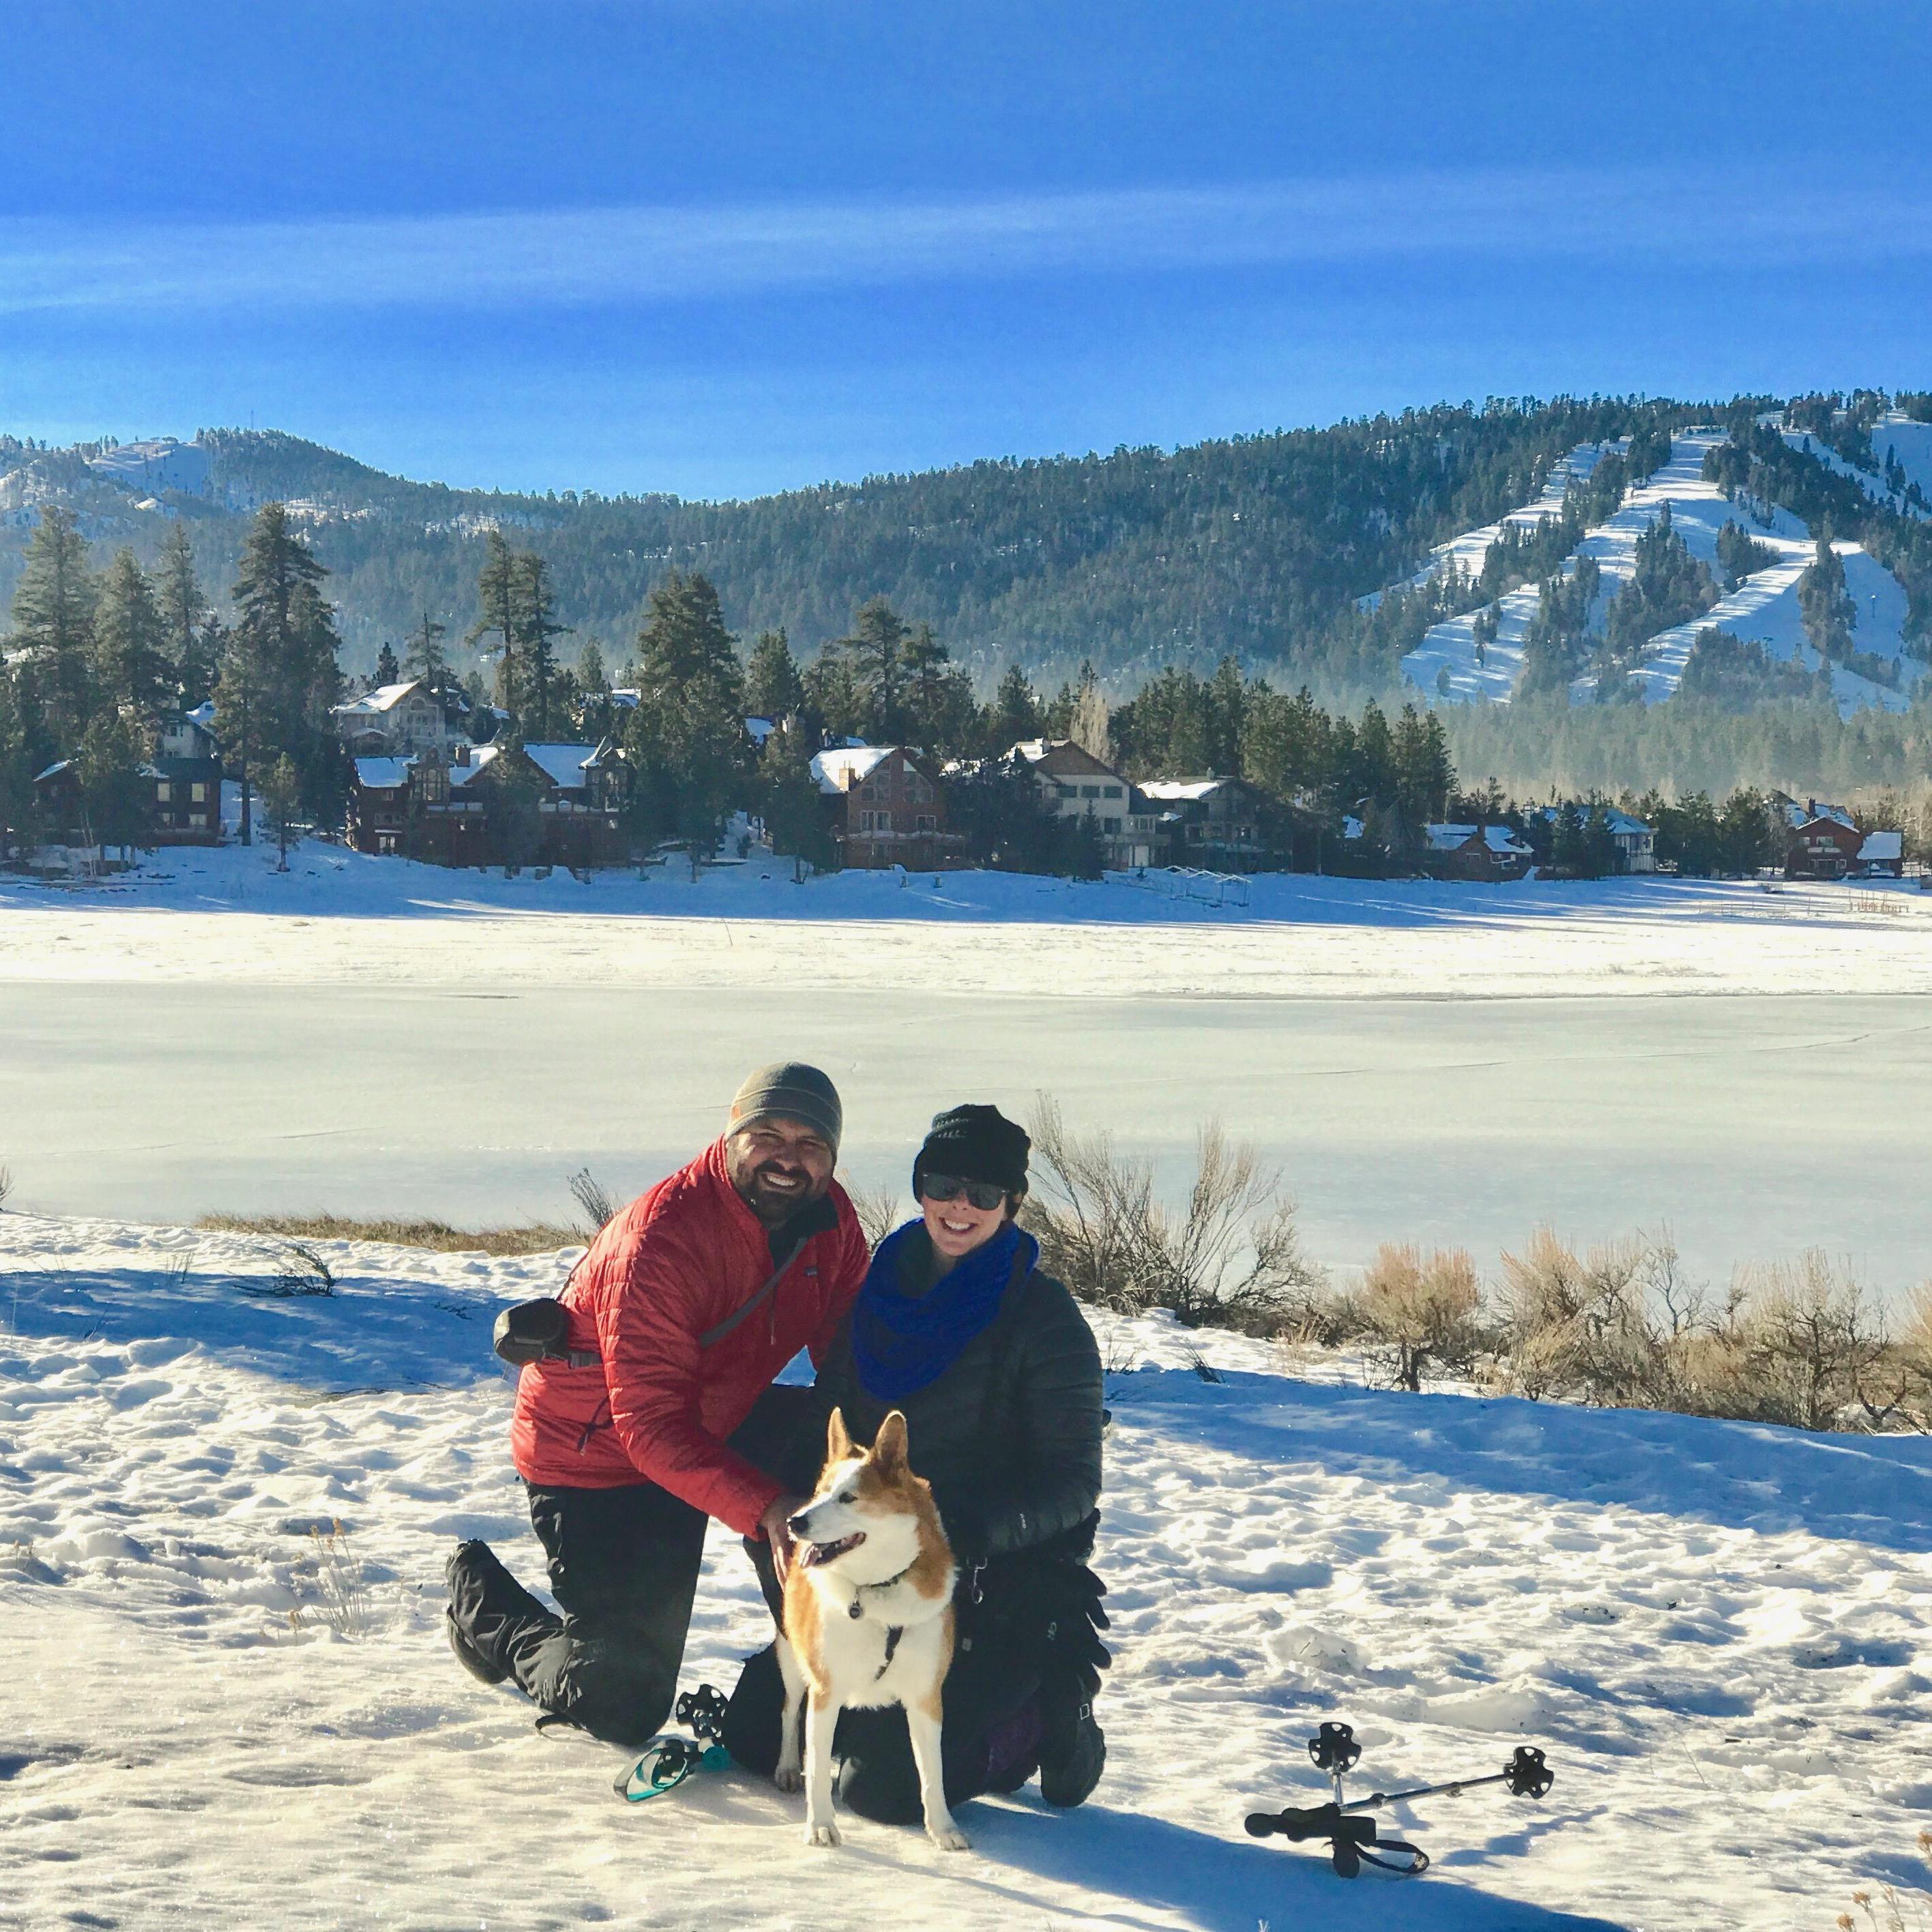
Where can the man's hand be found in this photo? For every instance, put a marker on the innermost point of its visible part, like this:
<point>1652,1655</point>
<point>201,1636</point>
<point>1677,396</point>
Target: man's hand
<point>773,1522</point>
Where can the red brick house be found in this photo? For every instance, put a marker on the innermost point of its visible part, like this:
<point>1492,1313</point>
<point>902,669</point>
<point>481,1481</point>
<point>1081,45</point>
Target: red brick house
<point>1481,852</point>
<point>885,806</point>
<point>1821,842</point>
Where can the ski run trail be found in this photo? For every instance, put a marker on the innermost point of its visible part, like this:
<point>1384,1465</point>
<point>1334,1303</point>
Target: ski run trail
<point>1447,663</point>
<point>228,1702</point>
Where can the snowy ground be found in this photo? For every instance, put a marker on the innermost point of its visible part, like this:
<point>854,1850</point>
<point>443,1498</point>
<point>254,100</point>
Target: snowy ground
<point>1764,607</point>
<point>213,1719</point>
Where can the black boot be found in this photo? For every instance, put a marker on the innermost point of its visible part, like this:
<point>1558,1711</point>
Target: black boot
<point>1072,1751</point>
<point>460,1571</point>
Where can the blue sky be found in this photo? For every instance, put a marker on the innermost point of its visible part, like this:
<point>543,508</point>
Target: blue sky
<point>725,248</point>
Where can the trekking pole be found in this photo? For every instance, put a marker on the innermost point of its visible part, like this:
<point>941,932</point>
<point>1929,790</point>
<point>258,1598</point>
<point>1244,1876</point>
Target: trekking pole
<point>1350,1834</point>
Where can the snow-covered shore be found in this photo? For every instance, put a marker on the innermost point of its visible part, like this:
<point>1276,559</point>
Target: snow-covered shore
<point>339,916</point>
<point>213,1718</point>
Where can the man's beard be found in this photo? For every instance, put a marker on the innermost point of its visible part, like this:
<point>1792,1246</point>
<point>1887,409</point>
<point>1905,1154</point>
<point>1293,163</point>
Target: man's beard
<point>777,1203</point>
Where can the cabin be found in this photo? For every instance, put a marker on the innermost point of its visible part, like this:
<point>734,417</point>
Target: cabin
<point>393,721</point>
<point>1821,842</point>
<point>1226,825</point>
<point>185,772</point>
<point>1487,853</point>
<point>885,806</point>
<point>1882,855</point>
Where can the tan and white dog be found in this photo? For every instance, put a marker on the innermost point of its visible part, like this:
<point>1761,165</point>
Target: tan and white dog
<point>868,1620</point>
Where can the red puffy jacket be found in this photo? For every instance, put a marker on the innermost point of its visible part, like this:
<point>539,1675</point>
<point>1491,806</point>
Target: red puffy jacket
<point>685,1256</point>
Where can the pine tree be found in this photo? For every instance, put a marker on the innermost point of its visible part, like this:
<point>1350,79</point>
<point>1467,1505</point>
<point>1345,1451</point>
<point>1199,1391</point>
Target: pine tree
<point>790,801</point>
<point>940,712</point>
<point>281,676</point>
<point>53,625</point>
<point>114,794</point>
<point>425,658</point>
<point>876,651</point>
<point>496,594</point>
<point>774,687</point>
<point>388,671</point>
<point>1015,716</point>
<point>686,738</point>
<point>536,620</point>
<point>281,797</point>
<point>131,664</point>
<point>184,617</point>
<point>16,775</point>
<point>1091,718</point>
<point>1825,604</point>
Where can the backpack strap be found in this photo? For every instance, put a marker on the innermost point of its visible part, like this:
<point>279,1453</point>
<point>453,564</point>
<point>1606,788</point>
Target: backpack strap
<point>712,1337</point>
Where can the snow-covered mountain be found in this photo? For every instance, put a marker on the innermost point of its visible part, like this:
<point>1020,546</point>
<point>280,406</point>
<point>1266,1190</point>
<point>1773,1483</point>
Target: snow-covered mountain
<point>1461,661</point>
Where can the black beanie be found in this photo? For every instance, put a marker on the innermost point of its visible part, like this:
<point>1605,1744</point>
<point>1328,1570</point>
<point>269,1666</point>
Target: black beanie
<point>977,1144</point>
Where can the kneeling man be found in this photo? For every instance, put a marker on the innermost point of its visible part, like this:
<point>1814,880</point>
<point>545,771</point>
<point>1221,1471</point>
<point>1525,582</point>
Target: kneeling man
<point>682,1311</point>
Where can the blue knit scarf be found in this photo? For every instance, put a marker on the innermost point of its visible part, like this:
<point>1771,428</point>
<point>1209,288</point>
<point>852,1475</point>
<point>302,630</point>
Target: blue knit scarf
<point>900,1342</point>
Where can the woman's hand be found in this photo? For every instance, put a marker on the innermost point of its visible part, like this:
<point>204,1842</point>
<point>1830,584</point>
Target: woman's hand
<point>774,1522</point>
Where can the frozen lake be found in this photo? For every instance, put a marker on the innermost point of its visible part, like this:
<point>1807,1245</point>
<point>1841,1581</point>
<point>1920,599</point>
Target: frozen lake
<point>1754,1126</point>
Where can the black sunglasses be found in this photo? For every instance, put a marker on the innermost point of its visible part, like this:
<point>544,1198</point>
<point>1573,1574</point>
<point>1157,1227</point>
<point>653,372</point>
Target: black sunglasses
<point>984,1195</point>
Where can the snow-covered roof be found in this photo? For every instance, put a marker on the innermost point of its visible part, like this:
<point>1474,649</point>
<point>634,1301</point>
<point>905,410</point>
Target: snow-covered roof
<point>1498,838</point>
<point>842,767</point>
<point>382,774</point>
<point>59,765</point>
<point>1882,845</point>
<point>624,697</point>
<point>384,697</point>
<point>1175,791</point>
<point>1810,812</point>
<point>562,764</point>
<point>1621,824</point>
<point>759,729</point>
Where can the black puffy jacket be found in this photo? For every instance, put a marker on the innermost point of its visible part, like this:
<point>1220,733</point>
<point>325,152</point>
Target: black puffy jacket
<point>1010,1435</point>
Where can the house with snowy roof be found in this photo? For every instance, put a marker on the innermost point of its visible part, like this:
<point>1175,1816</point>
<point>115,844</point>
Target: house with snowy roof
<point>1821,841</point>
<point>1633,841</point>
<point>495,804</point>
<point>393,721</point>
<point>1076,784</point>
<point>1882,855</point>
<point>885,805</point>
<point>1483,852</point>
<point>1226,824</point>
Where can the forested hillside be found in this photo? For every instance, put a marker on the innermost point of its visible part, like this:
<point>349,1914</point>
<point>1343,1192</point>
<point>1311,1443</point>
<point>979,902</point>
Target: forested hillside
<point>1259,546</point>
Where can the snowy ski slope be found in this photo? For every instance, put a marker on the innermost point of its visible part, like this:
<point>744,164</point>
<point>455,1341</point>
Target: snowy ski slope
<point>1894,434</point>
<point>1765,607</point>
<point>221,1712</point>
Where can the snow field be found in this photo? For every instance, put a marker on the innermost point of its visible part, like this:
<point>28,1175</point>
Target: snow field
<point>1765,607</point>
<point>341,916</point>
<point>1716,1631</point>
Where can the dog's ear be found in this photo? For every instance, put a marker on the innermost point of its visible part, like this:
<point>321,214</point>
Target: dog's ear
<point>889,1446</point>
<point>837,1443</point>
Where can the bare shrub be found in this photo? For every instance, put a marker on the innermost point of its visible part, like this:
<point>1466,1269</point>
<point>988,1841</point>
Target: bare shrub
<point>1229,1258</point>
<point>1422,1313</point>
<point>6,1186</point>
<point>341,1595</point>
<point>1816,1348</point>
<point>598,1208</point>
<point>304,1271</point>
<point>534,1237</point>
<point>877,1209</point>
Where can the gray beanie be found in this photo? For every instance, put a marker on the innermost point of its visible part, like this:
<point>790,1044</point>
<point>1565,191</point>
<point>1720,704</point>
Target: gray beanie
<point>790,1089</point>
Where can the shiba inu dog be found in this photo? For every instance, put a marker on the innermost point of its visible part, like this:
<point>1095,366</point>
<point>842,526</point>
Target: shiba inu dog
<point>868,1620</point>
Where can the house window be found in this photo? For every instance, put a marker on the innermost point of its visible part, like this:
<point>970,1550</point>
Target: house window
<point>1112,824</point>
<point>200,818</point>
<point>1067,791</point>
<point>929,821</point>
<point>197,794</point>
<point>163,792</point>
<point>1112,791</point>
<point>1089,791</point>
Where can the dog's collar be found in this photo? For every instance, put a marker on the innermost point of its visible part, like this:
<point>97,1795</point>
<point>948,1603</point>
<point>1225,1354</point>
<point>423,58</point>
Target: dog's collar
<point>857,1608</point>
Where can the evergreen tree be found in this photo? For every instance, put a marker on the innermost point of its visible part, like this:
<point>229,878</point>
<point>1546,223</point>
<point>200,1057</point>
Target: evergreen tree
<point>53,626</point>
<point>388,671</point>
<point>130,656</point>
<point>184,617</point>
<point>1015,716</point>
<point>774,687</point>
<point>1825,604</point>
<point>114,794</point>
<point>1090,727</point>
<point>281,676</point>
<point>789,799</point>
<point>686,738</point>
<point>425,658</point>
<point>536,620</point>
<point>15,775</point>
<point>872,657</point>
<point>497,595</point>
<point>281,798</point>
<point>1227,713</point>
<point>940,714</point>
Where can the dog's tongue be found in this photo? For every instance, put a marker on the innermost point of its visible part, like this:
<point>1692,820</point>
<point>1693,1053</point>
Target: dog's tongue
<point>816,1553</point>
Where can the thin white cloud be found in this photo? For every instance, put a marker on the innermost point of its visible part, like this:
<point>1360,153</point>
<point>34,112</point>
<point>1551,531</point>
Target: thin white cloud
<point>636,255</point>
